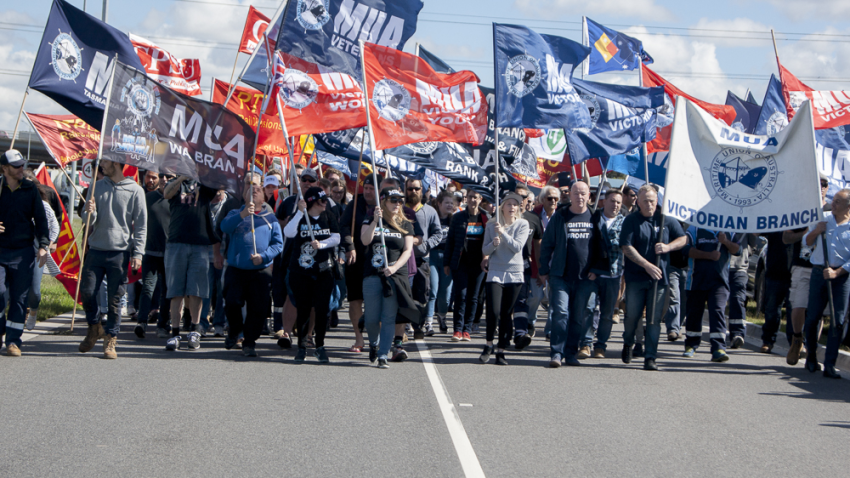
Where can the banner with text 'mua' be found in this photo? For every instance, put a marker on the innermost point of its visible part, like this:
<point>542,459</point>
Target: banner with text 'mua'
<point>721,179</point>
<point>151,127</point>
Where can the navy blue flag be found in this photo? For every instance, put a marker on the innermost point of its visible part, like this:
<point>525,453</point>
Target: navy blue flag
<point>346,144</point>
<point>773,116</point>
<point>751,98</point>
<point>326,32</point>
<point>75,60</point>
<point>746,113</point>
<point>434,61</point>
<point>657,165</point>
<point>611,50</point>
<point>343,165</point>
<point>533,75</point>
<point>622,118</point>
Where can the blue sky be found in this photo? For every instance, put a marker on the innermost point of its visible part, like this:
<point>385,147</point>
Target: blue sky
<point>704,48</point>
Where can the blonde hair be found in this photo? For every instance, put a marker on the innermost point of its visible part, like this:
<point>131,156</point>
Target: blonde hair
<point>396,221</point>
<point>516,215</point>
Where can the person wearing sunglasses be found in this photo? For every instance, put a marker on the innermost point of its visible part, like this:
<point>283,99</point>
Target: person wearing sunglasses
<point>386,289</point>
<point>311,267</point>
<point>22,223</point>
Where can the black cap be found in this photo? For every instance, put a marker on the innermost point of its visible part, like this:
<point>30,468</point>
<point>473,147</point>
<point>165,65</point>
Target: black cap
<point>312,195</point>
<point>370,179</point>
<point>390,192</point>
<point>13,158</point>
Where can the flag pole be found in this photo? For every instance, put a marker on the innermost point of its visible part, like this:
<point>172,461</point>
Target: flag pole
<point>82,251</point>
<point>233,72</point>
<point>625,181</point>
<point>18,121</point>
<point>374,151</point>
<point>585,64</point>
<point>289,146</point>
<point>643,149</point>
<point>357,185</point>
<point>498,160</point>
<point>599,188</point>
<point>776,52</point>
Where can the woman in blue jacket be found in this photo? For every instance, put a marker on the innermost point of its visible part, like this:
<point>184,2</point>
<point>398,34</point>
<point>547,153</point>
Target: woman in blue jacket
<point>248,276</point>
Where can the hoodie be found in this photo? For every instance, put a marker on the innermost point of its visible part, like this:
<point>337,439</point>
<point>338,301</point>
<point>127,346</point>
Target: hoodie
<point>119,222</point>
<point>241,244</point>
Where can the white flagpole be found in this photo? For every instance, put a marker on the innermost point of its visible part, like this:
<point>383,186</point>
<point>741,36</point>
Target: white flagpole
<point>498,156</point>
<point>585,65</point>
<point>82,251</point>
<point>374,151</point>
<point>293,178</point>
<point>18,121</point>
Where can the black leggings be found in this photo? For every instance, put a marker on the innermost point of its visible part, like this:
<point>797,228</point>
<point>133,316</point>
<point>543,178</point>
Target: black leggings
<point>500,307</point>
<point>312,292</point>
<point>248,287</point>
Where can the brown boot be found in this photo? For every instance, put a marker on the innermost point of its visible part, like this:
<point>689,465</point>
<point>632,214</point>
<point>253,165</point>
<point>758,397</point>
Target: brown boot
<point>12,350</point>
<point>598,353</point>
<point>109,347</point>
<point>794,352</point>
<point>94,334</point>
<point>583,353</point>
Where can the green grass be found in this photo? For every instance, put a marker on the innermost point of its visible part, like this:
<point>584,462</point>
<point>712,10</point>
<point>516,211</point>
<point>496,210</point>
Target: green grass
<point>55,299</point>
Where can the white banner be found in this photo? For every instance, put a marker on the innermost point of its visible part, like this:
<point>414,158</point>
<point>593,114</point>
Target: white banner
<point>724,180</point>
<point>551,146</point>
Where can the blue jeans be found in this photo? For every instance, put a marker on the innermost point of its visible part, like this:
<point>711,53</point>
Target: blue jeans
<point>672,319</point>
<point>607,290</point>
<point>525,311</point>
<point>467,285</point>
<point>716,300</point>
<point>638,297</point>
<point>818,299</point>
<point>775,296</point>
<point>34,296</point>
<point>440,305</point>
<point>568,301</point>
<point>379,314</point>
<point>738,279</point>
<point>16,268</point>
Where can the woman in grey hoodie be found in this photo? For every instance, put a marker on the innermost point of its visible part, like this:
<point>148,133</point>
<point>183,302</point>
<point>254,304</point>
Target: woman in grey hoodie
<point>503,242</point>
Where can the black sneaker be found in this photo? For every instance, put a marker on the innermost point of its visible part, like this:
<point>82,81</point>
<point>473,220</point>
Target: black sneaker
<point>444,327</point>
<point>301,354</point>
<point>373,353</point>
<point>382,363</point>
<point>572,362</point>
<point>139,330</point>
<point>284,343</point>
<point>334,320</point>
<point>649,364</point>
<point>531,330</point>
<point>400,355</point>
<point>627,354</point>
<point>638,351</point>
<point>248,351</point>
<point>485,355</point>
<point>522,341</point>
<point>321,355</point>
<point>500,359</point>
<point>418,334</point>
<point>737,342</point>
<point>229,342</point>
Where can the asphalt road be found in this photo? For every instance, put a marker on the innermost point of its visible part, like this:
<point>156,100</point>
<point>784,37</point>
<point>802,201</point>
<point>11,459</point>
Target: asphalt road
<point>215,413</point>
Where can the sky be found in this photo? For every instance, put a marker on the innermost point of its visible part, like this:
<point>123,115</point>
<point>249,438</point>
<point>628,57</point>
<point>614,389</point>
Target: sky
<point>704,48</point>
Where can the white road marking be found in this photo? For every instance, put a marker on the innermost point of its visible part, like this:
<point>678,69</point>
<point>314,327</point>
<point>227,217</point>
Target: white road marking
<point>463,447</point>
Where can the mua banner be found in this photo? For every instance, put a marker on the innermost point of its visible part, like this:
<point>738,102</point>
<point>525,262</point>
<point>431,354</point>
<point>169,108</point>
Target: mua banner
<point>721,179</point>
<point>151,127</point>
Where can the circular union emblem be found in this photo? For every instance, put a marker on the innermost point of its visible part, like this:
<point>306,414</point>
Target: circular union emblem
<point>743,178</point>
<point>66,56</point>
<point>377,256</point>
<point>298,89</point>
<point>306,260</point>
<point>777,122</point>
<point>312,14</point>
<point>425,148</point>
<point>665,113</point>
<point>142,99</point>
<point>391,100</point>
<point>522,75</point>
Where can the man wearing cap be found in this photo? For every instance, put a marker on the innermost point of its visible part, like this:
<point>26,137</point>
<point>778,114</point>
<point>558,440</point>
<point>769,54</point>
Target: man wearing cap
<point>23,223</point>
<point>118,216</point>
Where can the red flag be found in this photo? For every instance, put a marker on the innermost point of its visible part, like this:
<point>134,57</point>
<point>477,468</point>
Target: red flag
<point>182,76</point>
<point>66,256</point>
<point>546,169</point>
<point>245,103</point>
<point>66,137</point>
<point>252,34</point>
<point>665,116</point>
<point>316,100</point>
<point>830,109</point>
<point>411,103</point>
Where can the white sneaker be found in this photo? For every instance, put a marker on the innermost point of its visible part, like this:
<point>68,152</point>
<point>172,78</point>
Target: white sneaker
<point>30,324</point>
<point>173,343</point>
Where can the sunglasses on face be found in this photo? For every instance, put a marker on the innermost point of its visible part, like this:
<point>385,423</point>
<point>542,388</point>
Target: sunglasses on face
<point>308,180</point>
<point>395,200</point>
<point>824,185</point>
<point>323,201</point>
<point>552,198</point>
<point>414,189</point>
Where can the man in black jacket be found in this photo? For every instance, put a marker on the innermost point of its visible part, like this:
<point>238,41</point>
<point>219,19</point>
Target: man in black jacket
<point>571,257</point>
<point>22,223</point>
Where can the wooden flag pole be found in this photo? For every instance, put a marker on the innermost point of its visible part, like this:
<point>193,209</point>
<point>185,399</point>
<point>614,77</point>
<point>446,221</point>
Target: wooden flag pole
<point>357,185</point>
<point>18,121</point>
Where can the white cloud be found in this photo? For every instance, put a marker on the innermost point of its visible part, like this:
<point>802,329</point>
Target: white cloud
<point>820,9</point>
<point>643,9</point>
<point>818,59</point>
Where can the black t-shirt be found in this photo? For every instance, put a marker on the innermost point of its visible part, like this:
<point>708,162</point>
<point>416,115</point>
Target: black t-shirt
<point>777,257</point>
<point>472,255</point>
<point>642,233</point>
<point>796,260</point>
<point>579,233</point>
<point>305,259</point>
<point>445,222</point>
<point>395,246</point>
<point>159,220</point>
<point>535,234</point>
<point>287,208</point>
<point>190,215</point>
